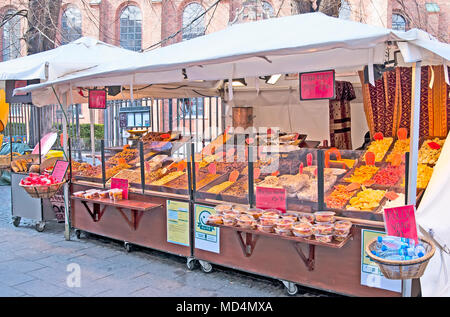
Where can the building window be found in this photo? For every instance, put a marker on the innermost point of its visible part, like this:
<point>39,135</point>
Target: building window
<point>267,10</point>
<point>11,37</point>
<point>398,22</point>
<point>197,28</point>
<point>131,28</point>
<point>70,25</point>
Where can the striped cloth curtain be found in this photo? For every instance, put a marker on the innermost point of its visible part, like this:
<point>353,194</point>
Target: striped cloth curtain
<point>387,105</point>
<point>340,116</point>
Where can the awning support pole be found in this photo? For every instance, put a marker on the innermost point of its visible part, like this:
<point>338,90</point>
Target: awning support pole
<point>413,150</point>
<point>66,185</point>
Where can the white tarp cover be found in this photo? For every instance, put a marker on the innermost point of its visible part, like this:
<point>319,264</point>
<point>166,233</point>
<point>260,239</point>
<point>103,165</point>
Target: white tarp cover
<point>433,212</point>
<point>81,54</point>
<point>299,43</point>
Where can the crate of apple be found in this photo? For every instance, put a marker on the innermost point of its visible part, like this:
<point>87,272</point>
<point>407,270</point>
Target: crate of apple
<point>41,186</point>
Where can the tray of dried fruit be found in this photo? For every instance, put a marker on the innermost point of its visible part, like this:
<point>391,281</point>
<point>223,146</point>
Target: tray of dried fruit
<point>87,172</point>
<point>214,189</point>
<point>380,148</point>
<point>430,150</point>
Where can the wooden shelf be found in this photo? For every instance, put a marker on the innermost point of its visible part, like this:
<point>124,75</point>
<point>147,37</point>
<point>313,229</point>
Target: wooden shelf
<point>126,203</point>
<point>333,244</point>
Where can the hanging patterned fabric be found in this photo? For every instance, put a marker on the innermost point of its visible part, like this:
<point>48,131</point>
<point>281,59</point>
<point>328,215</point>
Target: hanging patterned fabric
<point>388,104</point>
<point>340,116</point>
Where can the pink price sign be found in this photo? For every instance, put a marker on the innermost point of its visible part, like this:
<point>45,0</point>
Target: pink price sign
<point>401,222</point>
<point>59,171</point>
<point>271,198</point>
<point>121,184</point>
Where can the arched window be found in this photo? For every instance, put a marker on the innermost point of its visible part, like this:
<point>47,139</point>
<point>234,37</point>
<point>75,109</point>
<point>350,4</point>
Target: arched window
<point>268,11</point>
<point>11,37</point>
<point>398,22</point>
<point>197,28</point>
<point>70,25</point>
<point>131,28</point>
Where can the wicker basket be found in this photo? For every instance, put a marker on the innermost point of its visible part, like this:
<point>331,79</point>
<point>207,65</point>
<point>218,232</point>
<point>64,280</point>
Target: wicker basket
<point>42,191</point>
<point>402,270</point>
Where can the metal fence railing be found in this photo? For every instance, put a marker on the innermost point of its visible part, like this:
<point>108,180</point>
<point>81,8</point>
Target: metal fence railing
<point>200,118</point>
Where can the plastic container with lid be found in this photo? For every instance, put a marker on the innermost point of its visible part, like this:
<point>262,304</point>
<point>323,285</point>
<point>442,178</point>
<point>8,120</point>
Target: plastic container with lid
<point>325,228</point>
<point>229,214</point>
<point>302,230</point>
<point>255,212</point>
<point>104,194</point>
<point>240,209</point>
<point>285,224</point>
<point>271,213</point>
<point>223,207</point>
<point>267,221</point>
<point>215,219</point>
<point>246,222</point>
<point>287,216</point>
<point>342,227</point>
<point>229,221</point>
<point>340,237</point>
<point>264,228</point>
<point>306,217</point>
<point>326,238</point>
<point>79,194</point>
<point>283,232</point>
<point>324,216</point>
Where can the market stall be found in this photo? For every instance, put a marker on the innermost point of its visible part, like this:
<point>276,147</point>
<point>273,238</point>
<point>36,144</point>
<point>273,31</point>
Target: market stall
<point>353,185</point>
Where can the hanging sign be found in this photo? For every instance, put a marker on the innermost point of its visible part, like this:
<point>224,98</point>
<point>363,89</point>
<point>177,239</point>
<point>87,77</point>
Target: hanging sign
<point>59,171</point>
<point>271,198</point>
<point>401,222</point>
<point>97,98</point>
<point>317,85</point>
<point>121,184</point>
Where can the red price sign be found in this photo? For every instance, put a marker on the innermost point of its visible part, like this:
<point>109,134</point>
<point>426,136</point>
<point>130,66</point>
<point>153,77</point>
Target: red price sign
<point>59,171</point>
<point>271,198</point>
<point>97,99</point>
<point>121,184</point>
<point>317,85</point>
<point>401,222</point>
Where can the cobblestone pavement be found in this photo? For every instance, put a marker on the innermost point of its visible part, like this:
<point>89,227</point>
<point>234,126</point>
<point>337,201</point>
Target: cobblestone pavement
<point>36,264</point>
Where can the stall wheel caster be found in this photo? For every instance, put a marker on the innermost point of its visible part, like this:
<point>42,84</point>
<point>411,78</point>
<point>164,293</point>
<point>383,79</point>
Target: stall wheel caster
<point>128,246</point>
<point>291,288</point>
<point>78,234</point>
<point>40,226</point>
<point>16,221</point>
<point>206,266</point>
<point>190,263</point>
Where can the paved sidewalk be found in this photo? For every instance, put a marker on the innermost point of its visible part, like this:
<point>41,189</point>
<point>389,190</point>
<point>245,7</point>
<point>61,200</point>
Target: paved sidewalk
<point>36,264</point>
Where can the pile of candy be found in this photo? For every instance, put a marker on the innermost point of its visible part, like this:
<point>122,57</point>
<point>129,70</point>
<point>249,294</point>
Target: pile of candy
<point>366,200</point>
<point>362,174</point>
<point>38,180</point>
<point>389,176</point>
<point>339,197</point>
<point>380,147</point>
<point>400,147</point>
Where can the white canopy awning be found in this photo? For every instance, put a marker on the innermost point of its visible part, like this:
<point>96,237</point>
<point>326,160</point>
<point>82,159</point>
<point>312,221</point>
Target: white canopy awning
<point>82,54</point>
<point>299,43</point>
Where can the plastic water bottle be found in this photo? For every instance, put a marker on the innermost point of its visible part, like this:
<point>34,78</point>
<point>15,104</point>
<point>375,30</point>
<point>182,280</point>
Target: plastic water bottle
<point>419,250</point>
<point>394,243</point>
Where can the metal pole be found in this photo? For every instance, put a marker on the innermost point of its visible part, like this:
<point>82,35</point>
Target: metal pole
<point>66,185</point>
<point>413,150</point>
